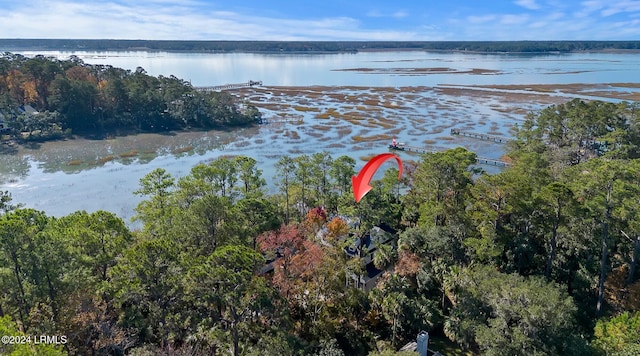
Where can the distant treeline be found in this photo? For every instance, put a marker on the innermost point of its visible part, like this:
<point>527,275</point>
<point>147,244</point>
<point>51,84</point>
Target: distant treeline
<point>43,98</point>
<point>313,46</point>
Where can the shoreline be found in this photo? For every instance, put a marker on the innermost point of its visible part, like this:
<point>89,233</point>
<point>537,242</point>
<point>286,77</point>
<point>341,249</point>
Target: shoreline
<point>17,50</point>
<point>539,47</point>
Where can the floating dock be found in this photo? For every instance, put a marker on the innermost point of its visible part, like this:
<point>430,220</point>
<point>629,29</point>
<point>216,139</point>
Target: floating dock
<point>479,160</point>
<point>479,136</point>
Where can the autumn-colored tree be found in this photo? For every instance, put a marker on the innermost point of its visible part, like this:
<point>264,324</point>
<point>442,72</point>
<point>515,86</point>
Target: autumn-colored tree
<point>280,246</point>
<point>337,228</point>
<point>316,217</point>
<point>80,74</point>
<point>408,264</point>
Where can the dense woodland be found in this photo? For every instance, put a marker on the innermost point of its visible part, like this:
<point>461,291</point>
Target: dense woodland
<point>70,96</point>
<point>312,46</point>
<point>539,259</point>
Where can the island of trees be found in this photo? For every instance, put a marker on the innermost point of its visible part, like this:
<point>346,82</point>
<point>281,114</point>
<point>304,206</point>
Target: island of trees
<point>539,259</point>
<point>44,98</point>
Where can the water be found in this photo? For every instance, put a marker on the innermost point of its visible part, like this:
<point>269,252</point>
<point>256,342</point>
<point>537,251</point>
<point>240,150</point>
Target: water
<point>352,112</point>
<point>204,69</point>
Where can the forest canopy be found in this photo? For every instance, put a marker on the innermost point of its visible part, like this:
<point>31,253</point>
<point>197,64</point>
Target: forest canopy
<point>43,97</point>
<point>540,258</point>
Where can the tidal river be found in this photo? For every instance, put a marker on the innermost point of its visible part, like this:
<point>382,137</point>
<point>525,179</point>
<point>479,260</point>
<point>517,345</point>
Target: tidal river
<point>351,104</point>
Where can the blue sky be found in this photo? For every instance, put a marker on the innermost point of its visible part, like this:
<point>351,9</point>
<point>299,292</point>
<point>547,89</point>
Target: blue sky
<point>329,20</point>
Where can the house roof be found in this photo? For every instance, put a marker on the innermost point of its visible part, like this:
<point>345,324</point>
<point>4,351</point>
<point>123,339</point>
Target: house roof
<point>372,271</point>
<point>370,240</point>
<point>28,109</point>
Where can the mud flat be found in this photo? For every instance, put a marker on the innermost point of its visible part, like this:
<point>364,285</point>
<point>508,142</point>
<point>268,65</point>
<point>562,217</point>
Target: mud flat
<point>617,91</point>
<point>348,116</point>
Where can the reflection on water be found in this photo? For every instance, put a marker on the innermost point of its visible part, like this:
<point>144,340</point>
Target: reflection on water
<point>204,69</point>
<point>353,114</point>
<point>13,167</point>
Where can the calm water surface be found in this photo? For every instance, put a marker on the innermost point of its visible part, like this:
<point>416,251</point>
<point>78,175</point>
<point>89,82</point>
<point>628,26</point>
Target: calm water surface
<point>62,177</point>
<point>204,69</point>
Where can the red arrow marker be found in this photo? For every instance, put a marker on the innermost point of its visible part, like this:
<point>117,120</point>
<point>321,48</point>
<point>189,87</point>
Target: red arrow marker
<point>361,182</point>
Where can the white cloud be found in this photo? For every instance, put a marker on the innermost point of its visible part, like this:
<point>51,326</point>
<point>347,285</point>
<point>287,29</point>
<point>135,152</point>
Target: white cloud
<point>176,20</point>
<point>622,6</point>
<point>194,20</point>
<point>398,14</point>
<point>589,7</point>
<point>555,16</point>
<point>481,19</point>
<point>528,4</point>
<point>513,19</point>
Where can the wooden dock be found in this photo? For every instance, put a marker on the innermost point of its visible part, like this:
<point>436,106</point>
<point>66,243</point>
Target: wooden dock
<point>265,121</point>
<point>248,84</point>
<point>479,160</point>
<point>479,136</point>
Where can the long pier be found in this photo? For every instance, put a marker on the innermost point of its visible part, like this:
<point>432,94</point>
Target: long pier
<point>479,160</point>
<point>265,121</point>
<point>248,84</point>
<point>479,136</point>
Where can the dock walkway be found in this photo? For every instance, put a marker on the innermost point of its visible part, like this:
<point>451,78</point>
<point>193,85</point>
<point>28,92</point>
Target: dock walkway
<point>480,160</point>
<point>248,84</point>
<point>265,121</point>
<point>479,136</point>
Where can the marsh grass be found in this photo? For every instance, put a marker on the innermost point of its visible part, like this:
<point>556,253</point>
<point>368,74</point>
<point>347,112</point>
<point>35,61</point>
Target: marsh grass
<point>75,162</point>
<point>292,134</point>
<point>305,108</point>
<point>320,128</point>
<point>367,158</point>
<point>378,122</point>
<point>271,106</point>
<point>242,143</point>
<point>379,137</point>
<point>105,159</point>
<point>331,112</point>
<point>130,154</point>
<point>180,150</point>
<point>315,134</point>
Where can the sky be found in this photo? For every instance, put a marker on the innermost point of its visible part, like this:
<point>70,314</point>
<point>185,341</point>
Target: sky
<point>323,20</point>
